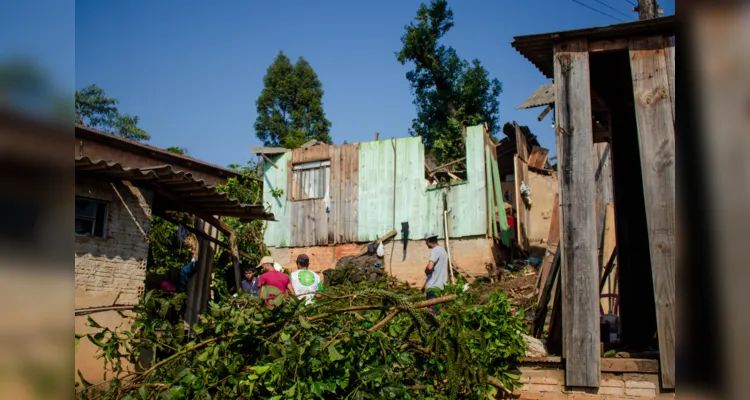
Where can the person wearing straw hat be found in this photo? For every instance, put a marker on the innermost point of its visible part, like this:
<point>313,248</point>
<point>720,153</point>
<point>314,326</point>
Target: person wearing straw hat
<point>437,268</point>
<point>273,283</point>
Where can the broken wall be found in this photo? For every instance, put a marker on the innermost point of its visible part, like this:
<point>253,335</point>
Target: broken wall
<point>544,188</point>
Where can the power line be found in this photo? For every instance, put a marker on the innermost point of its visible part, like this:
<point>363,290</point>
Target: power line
<point>594,9</point>
<point>630,2</point>
<point>614,9</point>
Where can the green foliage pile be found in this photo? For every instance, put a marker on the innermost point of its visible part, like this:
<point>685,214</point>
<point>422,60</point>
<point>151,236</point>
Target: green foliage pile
<point>354,342</point>
<point>290,107</point>
<point>449,93</point>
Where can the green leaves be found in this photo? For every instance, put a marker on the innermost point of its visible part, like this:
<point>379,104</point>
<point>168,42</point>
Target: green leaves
<point>333,354</point>
<point>290,107</point>
<point>95,109</point>
<point>283,355</point>
<point>449,93</point>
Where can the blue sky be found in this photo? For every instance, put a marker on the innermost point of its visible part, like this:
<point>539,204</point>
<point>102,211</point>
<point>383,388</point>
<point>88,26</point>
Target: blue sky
<point>192,70</point>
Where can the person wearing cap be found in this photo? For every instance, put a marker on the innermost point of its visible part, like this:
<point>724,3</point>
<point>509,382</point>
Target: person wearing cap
<point>273,283</point>
<point>250,283</point>
<point>437,268</point>
<point>305,282</point>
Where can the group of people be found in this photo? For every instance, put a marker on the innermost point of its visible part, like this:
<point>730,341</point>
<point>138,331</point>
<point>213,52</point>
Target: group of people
<point>267,280</point>
<point>271,283</point>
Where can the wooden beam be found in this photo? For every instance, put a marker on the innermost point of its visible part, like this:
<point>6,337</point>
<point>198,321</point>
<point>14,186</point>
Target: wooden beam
<point>219,224</point>
<point>630,365</point>
<point>580,274</point>
<point>202,234</point>
<point>448,164</point>
<point>538,157</point>
<point>553,244</point>
<point>265,157</point>
<point>269,150</point>
<point>544,113</point>
<point>363,250</point>
<point>656,139</point>
<point>522,147</point>
<point>600,46</point>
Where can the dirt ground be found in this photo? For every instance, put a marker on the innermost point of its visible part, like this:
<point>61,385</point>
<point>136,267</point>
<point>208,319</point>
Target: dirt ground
<point>519,287</point>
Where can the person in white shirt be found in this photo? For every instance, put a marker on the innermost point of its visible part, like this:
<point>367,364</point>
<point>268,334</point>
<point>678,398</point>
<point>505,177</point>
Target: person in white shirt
<point>305,282</point>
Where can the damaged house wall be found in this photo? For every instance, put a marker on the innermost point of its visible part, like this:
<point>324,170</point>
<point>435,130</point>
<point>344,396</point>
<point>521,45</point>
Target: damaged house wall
<point>374,190</point>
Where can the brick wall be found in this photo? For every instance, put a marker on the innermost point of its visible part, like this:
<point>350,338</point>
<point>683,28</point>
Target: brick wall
<point>549,383</point>
<point>111,270</point>
<point>471,254</point>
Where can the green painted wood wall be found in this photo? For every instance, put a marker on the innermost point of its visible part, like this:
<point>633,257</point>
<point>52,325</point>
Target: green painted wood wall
<point>422,207</point>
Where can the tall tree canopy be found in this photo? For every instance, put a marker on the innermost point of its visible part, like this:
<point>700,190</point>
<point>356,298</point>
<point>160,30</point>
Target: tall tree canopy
<point>449,92</point>
<point>290,107</point>
<point>95,109</point>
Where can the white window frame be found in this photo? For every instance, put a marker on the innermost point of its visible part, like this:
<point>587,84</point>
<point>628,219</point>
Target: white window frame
<point>306,166</point>
<point>99,203</point>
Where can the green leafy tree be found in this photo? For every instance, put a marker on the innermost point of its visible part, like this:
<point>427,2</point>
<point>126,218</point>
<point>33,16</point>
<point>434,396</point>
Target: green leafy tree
<point>449,92</point>
<point>290,107</point>
<point>95,109</point>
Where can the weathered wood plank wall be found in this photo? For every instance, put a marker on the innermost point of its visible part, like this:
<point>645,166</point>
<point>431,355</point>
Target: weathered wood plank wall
<point>656,136</point>
<point>580,283</point>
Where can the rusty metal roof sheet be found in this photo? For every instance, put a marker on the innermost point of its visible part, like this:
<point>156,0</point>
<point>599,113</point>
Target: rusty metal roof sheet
<point>539,48</point>
<point>543,96</point>
<point>193,195</point>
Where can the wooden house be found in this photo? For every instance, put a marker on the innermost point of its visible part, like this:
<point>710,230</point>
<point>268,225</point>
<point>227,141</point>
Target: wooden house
<point>330,200</point>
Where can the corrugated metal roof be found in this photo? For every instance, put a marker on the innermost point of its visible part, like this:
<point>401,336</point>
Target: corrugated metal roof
<point>543,96</point>
<point>176,184</point>
<point>165,155</point>
<point>539,48</point>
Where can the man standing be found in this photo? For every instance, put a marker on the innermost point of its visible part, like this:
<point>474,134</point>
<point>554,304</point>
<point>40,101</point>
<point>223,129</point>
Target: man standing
<point>250,283</point>
<point>437,268</point>
<point>305,282</point>
<point>273,283</point>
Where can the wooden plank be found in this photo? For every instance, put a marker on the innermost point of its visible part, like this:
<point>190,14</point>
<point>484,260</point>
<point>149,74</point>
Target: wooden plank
<point>600,46</point>
<point>630,365</point>
<point>538,157</point>
<point>669,58</point>
<point>438,168</point>
<point>499,203</point>
<point>553,241</point>
<point>334,153</point>
<point>657,148</point>
<point>546,293</point>
<point>522,147</point>
<point>315,153</point>
<point>519,201</point>
<point>269,150</point>
<point>544,113</point>
<point>489,201</point>
<point>354,194</point>
<point>604,191</point>
<point>268,160</point>
<point>610,237</point>
<point>363,249</point>
<point>580,274</point>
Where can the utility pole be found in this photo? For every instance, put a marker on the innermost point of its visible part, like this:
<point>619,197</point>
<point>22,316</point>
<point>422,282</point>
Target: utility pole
<point>647,9</point>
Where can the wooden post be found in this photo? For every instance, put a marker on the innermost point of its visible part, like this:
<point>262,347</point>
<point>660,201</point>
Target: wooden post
<point>580,274</point>
<point>656,139</point>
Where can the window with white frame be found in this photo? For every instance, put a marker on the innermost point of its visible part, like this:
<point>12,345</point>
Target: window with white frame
<point>91,217</point>
<point>310,180</point>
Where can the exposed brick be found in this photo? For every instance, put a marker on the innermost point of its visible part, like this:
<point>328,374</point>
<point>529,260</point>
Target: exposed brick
<point>549,380</point>
<point>116,263</point>
<point>541,388</point>
<point>612,382</point>
<point>611,391</point>
<point>640,392</point>
<point>640,385</point>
